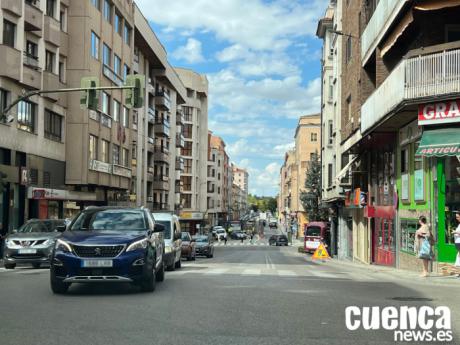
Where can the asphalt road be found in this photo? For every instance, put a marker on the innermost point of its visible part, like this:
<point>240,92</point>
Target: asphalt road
<point>246,294</point>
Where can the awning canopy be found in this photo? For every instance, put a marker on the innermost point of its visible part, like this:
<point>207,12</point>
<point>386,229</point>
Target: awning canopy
<point>342,172</point>
<point>440,142</point>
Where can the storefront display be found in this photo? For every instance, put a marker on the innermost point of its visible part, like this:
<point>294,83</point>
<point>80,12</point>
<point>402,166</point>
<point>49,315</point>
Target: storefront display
<point>408,229</point>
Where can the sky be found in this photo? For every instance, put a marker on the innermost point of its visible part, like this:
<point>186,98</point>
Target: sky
<point>262,61</point>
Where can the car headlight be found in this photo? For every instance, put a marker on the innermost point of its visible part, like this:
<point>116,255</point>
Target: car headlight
<point>9,243</point>
<point>63,246</point>
<point>141,244</point>
<point>168,249</point>
<point>49,242</point>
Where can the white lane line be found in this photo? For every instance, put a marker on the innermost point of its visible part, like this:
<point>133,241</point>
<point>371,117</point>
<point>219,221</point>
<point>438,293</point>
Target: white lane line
<point>321,274</point>
<point>287,273</point>
<point>251,272</point>
<point>216,271</point>
<point>34,271</point>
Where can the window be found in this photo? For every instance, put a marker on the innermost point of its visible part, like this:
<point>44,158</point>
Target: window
<point>313,137</point>
<point>348,50</point>
<point>331,132</point>
<point>218,176</point>
<point>188,131</point>
<point>63,19</point>
<point>116,64</point>
<point>331,88</point>
<point>126,71</point>
<point>188,112</point>
<point>105,103</point>
<point>62,71</point>
<point>49,61</point>
<point>329,175</point>
<point>116,110</point>
<point>97,4</point>
<point>419,176</point>
<point>26,116</point>
<point>124,157</point>
<point>187,149</point>
<point>107,11</point>
<point>107,55</point>
<point>127,34</point>
<point>116,154</point>
<point>92,147</point>
<point>4,98</point>
<point>125,119</point>
<point>9,33</point>
<point>187,166</point>
<point>118,23</point>
<point>187,200</point>
<point>349,107</point>
<point>94,45</point>
<point>187,182</point>
<point>405,160</point>
<point>53,126</point>
<point>50,7</point>
<point>105,151</point>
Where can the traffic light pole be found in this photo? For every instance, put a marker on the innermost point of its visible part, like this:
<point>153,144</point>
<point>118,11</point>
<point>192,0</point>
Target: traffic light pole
<point>40,92</point>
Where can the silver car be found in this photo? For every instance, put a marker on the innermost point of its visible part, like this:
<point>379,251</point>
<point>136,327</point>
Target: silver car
<point>32,243</point>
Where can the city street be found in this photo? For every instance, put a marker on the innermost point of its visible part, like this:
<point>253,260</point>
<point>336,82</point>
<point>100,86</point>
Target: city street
<point>247,294</point>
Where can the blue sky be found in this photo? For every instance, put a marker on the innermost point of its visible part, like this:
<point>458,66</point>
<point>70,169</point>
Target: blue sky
<point>262,60</point>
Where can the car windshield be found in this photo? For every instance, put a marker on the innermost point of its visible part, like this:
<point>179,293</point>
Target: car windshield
<point>313,231</point>
<point>40,226</point>
<point>167,225</point>
<point>202,239</point>
<point>110,220</point>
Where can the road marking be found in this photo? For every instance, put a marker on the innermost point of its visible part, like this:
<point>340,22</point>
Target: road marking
<point>216,271</point>
<point>321,274</point>
<point>251,272</point>
<point>287,273</point>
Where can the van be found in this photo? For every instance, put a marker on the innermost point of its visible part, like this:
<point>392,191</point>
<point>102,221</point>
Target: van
<point>172,236</point>
<point>316,233</point>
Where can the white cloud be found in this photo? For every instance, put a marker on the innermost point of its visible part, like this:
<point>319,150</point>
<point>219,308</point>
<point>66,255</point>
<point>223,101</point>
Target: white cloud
<point>265,181</point>
<point>190,53</point>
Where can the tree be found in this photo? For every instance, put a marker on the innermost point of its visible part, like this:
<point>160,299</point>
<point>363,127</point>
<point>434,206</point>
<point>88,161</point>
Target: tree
<point>311,197</point>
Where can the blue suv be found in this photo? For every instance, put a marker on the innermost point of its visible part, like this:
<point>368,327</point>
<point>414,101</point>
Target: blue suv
<point>109,244</point>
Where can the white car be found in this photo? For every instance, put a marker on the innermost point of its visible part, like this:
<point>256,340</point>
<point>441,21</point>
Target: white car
<point>221,233</point>
<point>172,238</point>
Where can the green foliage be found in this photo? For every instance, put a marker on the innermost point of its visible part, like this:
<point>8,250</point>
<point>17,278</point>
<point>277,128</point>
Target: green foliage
<point>311,197</point>
<point>262,203</point>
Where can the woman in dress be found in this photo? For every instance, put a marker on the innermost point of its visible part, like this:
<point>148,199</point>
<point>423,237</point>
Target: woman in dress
<point>457,237</point>
<point>421,234</point>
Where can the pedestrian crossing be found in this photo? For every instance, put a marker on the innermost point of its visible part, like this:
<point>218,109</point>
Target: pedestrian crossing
<point>239,244</point>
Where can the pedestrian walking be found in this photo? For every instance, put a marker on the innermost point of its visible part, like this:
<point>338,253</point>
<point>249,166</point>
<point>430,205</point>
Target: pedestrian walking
<point>423,244</point>
<point>225,239</point>
<point>252,237</point>
<point>457,240</point>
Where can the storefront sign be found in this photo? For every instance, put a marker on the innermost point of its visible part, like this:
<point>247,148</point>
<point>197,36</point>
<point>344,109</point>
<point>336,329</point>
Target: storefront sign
<point>121,171</point>
<point>419,185</point>
<point>58,194</point>
<point>439,113</point>
<point>100,166</point>
<point>191,215</point>
<point>24,176</point>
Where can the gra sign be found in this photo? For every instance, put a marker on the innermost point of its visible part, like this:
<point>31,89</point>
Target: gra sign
<point>438,113</point>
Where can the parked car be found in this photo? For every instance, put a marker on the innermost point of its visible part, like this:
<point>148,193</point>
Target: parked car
<point>32,243</point>
<point>315,233</point>
<point>109,244</point>
<point>215,228</point>
<point>172,236</point>
<point>278,240</point>
<point>188,246</point>
<point>221,234</point>
<point>204,246</point>
<point>238,235</point>
<point>273,223</point>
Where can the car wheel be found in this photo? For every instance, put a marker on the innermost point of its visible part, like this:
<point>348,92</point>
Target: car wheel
<point>178,264</point>
<point>36,265</point>
<point>9,266</point>
<point>160,274</point>
<point>57,286</point>
<point>148,283</point>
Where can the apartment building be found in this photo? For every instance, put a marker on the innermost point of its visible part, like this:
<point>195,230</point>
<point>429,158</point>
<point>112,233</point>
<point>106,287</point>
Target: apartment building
<point>194,152</point>
<point>293,172</point>
<point>240,193</point>
<point>219,188</point>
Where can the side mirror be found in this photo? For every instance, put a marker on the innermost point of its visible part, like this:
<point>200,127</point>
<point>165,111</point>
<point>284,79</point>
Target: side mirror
<point>61,228</point>
<point>158,227</point>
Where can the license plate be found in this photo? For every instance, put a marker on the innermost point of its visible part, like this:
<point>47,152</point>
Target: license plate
<point>97,263</point>
<point>27,251</point>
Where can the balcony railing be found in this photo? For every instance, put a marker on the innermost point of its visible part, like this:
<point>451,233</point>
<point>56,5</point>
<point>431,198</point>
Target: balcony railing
<point>415,78</point>
<point>160,206</point>
<point>109,73</point>
<point>31,60</point>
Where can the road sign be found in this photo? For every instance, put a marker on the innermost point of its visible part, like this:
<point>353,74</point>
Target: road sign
<point>320,253</point>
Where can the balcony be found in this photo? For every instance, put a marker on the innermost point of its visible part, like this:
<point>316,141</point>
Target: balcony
<point>33,16</point>
<point>384,15</point>
<point>32,77</point>
<point>10,65</point>
<point>162,128</point>
<point>157,206</point>
<point>151,116</point>
<point>177,175</point>
<point>161,154</point>
<point>150,87</point>
<point>179,117</point>
<point>52,31</point>
<point>179,164</point>
<point>434,72</point>
<point>161,182</point>
<point>162,100</point>
<point>12,6</point>
<point>110,74</point>
<point>180,140</point>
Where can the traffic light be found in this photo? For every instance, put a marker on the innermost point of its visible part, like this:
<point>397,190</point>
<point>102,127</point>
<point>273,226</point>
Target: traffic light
<point>135,97</point>
<point>3,182</point>
<point>89,98</point>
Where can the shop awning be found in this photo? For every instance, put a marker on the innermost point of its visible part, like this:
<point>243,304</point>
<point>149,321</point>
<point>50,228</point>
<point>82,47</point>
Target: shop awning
<point>440,142</point>
<point>342,172</point>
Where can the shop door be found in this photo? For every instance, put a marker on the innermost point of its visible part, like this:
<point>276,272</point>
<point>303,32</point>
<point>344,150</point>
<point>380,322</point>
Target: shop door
<point>384,246</point>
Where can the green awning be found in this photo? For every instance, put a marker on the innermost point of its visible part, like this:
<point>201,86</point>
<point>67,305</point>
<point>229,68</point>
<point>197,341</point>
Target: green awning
<point>440,142</point>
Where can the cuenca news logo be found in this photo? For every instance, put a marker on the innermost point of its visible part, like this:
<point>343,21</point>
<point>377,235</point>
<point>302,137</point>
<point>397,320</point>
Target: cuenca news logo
<point>409,324</point>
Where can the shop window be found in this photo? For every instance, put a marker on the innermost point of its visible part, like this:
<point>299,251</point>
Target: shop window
<point>452,171</point>
<point>405,173</point>
<point>408,229</point>
<point>419,176</point>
